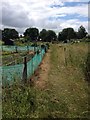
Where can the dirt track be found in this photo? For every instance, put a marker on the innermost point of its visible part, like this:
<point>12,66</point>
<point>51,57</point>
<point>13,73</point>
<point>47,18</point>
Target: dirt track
<point>41,75</point>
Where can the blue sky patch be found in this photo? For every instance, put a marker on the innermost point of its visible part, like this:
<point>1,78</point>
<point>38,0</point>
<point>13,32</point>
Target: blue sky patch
<point>72,4</point>
<point>68,17</point>
<point>69,4</point>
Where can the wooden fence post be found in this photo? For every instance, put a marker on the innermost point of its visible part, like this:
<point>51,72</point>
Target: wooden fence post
<point>25,70</point>
<point>27,48</point>
<point>45,49</point>
<point>65,56</point>
<point>41,52</point>
<point>34,49</point>
<point>16,49</point>
<point>2,48</point>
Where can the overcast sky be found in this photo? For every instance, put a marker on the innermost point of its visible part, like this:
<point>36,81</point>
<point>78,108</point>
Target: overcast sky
<point>47,14</point>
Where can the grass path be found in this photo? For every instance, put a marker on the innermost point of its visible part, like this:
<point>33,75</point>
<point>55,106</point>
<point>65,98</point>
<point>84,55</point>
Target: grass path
<point>70,90</point>
<point>66,90</point>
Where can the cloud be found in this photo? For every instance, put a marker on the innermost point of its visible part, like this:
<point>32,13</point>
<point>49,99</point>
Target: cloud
<point>40,13</point>
<point>15,16</point>
<point>70,23</point>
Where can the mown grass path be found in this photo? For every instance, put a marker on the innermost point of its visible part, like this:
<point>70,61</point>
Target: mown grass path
<point>67,90</point>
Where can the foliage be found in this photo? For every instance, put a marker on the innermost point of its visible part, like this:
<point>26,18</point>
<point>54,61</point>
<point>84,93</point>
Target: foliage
<point>1,42</point>
<point>66,34</point>
<point>12,58</point>
<point>81,32</point>
<point>21,101</point>
<point>48,36</point>
<point>32,34</point>
<point>51,36</point>
<point>34,45</point>
<point>43,35</point>
<point>8,34</point>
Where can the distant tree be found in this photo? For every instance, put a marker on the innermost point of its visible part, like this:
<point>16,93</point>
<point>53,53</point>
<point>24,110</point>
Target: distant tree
<point>8,34</point>
<point>32,34</point>
<point>62,36</point>
<point>66,34</point>
<point>43,34</point>
<point>51,36</point>
<point>81,32</point>
<point>88,36</point>
<point>71,34</point>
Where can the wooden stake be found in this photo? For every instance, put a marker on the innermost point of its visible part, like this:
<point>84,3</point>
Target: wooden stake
<point>25,70</point>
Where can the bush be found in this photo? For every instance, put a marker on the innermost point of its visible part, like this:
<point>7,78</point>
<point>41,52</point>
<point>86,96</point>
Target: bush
<point>34,45</point>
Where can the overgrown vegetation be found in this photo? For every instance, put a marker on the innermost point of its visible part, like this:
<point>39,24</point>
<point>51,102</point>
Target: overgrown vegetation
<point>68,81</point>
<point>12,58</point>
<point>66,91</point>
<point>87,72</point>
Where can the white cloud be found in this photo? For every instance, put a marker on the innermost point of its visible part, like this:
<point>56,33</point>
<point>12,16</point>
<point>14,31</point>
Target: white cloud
<point>74,24</point>
<point>30,13</point>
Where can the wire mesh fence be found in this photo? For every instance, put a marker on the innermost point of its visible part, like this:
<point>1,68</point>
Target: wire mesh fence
<point>18,70</point>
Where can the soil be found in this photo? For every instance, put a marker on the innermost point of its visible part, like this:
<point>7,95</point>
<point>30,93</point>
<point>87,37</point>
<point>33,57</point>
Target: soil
<point>40,77</point>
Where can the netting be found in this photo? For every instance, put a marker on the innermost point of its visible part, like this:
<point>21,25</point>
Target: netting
<point>11,73</point>
<point>34,62</point>
<point>15,48</point>
<point>15,72</point>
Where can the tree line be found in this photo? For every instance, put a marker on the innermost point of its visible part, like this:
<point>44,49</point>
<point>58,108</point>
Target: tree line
<point>33,34</point>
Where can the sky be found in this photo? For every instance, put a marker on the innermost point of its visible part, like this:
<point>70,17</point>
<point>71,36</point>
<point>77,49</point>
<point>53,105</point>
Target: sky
<point>44,14</point>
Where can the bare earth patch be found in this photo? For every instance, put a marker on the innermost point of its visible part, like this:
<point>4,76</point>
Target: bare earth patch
<point>41,75</point>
